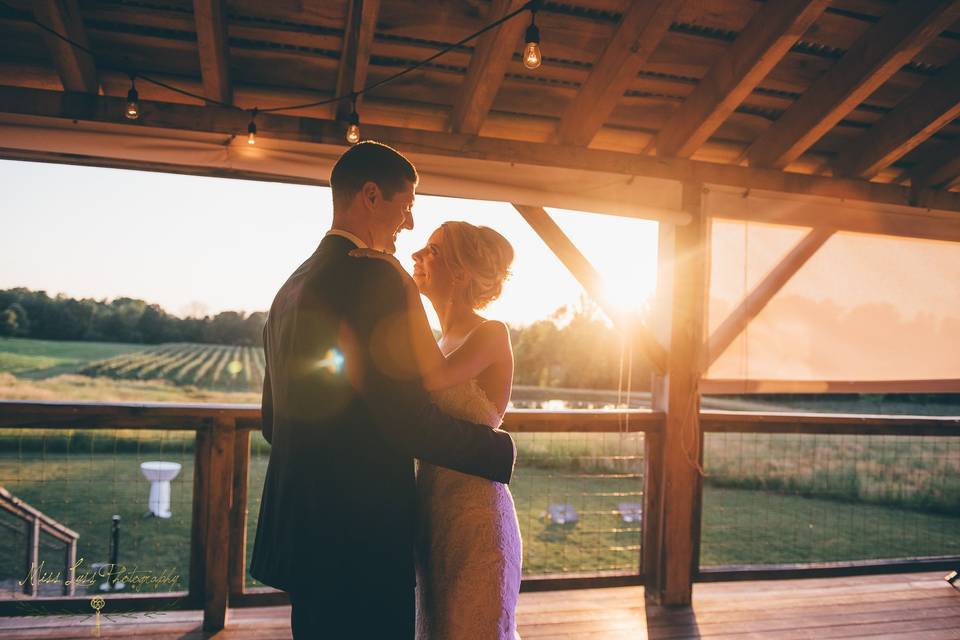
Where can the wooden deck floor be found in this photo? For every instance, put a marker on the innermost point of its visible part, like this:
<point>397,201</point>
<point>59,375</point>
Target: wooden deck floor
<point>915,606</point>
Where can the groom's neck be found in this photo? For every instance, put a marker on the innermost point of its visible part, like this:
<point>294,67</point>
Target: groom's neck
<point>354,226</point>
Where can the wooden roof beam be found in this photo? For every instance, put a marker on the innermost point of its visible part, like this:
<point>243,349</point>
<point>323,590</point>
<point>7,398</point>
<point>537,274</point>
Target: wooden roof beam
<point>76,68</point>
<point>914,119</point>
<point>40,106</point>
<point>879,53</point>
<point>940,170</point>
<point>488,65</point>
<point>641,28</point>
<point>358,34</point>
<point>769,35</point>
<point>590,279</point>
<point>214,49</point>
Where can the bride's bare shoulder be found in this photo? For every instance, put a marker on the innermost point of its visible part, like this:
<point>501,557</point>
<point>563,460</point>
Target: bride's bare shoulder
<point>492,334</point>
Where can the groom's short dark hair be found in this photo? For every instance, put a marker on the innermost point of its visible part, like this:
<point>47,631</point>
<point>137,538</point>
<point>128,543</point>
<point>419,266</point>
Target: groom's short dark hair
<point>369,161</point>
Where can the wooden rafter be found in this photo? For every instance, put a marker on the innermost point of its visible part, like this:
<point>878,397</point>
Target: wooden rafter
<point>756,300</point>
<point>642,27</point>
<point>76,67</point>
<point>355,56</point>
<point>590,279</point>
<point>940,169</point>
<point>488,64</point>
<point>214,49</point>
<point>915,119</point>
<point>877,55</point>
<point>55,105</point>
<point>764,41</point>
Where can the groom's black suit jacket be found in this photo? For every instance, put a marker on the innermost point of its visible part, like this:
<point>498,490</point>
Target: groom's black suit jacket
<point>339,494</point>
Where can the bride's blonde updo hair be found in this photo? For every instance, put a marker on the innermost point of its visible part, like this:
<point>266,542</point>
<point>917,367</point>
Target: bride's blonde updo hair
<point>482,255</point>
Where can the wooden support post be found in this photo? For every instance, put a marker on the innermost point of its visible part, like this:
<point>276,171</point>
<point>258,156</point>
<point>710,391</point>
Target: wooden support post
<point>219,490</point>
<point>31,584</point>
<point>676,541</point>
<point>238,512</point>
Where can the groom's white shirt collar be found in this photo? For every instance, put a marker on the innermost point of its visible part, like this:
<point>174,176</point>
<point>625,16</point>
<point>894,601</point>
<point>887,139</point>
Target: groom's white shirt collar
<point>349,236</point>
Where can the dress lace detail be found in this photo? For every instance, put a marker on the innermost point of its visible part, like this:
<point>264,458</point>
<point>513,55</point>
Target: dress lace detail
<point>469,549</point>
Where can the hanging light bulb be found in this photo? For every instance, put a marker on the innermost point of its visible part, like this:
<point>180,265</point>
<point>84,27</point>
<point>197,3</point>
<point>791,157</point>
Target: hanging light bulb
<point>531,52</point>
<point>133,101</point>
<point>353,131</point>
<point>252,128</point>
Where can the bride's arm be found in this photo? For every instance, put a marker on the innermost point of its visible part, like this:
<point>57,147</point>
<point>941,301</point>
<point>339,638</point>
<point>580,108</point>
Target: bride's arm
<point>484,348</point>
<point>489,344</point>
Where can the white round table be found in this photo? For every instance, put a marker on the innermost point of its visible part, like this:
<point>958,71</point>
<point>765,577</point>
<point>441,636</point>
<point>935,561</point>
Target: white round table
<point>160,474</point>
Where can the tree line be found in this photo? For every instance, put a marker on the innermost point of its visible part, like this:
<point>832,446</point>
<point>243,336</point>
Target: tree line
<point>573,348</point>
<point>34,314</point>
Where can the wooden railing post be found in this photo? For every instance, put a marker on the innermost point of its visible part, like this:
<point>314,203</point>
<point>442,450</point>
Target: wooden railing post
<point>31,585</point>
<point>198,529</point>
<point>70,558</point>
<point>652,497</point>
<point>216,591</point>
<point>210,544</point>
<point>238,512</point>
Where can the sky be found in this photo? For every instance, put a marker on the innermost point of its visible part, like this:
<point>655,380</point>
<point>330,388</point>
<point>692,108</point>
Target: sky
<point>199,245</point>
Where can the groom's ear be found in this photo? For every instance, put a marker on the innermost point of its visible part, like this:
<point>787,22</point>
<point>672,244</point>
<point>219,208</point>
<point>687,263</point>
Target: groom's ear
<point>370,194</point>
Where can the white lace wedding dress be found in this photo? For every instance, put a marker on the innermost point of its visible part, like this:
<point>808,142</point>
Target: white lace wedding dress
<point>468,551</point>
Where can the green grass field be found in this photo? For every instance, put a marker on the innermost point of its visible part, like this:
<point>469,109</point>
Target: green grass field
<point>209,366</point>
<point>41,359</point>
<point>83,491</point>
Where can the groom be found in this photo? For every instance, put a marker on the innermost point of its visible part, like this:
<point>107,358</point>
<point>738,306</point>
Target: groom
<point>346,414</point>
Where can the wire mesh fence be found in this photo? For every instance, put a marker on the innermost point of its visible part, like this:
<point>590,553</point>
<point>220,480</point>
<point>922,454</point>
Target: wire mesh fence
<point>81,479</point>
<point>578,498</point>
<point>808,498</point>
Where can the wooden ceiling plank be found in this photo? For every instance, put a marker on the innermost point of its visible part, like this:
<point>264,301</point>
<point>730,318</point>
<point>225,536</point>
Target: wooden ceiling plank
<point>214,48</point>
<point>641,28</point>
<point>874,58</point>
<point>590,279</point>
<point>492,54</point>
<point>361,24</point>
<point>766,39</point>
<point>919,116</point>
<point>76,68</point>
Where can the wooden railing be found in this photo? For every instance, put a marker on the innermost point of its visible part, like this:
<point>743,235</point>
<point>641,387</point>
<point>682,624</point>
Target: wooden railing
<point>38,522</point>
<point>222,459</point>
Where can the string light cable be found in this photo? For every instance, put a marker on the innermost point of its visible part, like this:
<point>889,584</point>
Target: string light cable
<point>531,6</point>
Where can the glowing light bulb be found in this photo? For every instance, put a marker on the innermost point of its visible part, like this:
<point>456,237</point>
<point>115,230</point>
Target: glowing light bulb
<point>531,53</point>
<point>133,104</point>
<point>252,133</point>
<point>353,131</point>
<point>353,134</point>
<point>531,56</point>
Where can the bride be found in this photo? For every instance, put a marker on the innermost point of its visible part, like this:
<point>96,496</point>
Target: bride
<point>468,544</point>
